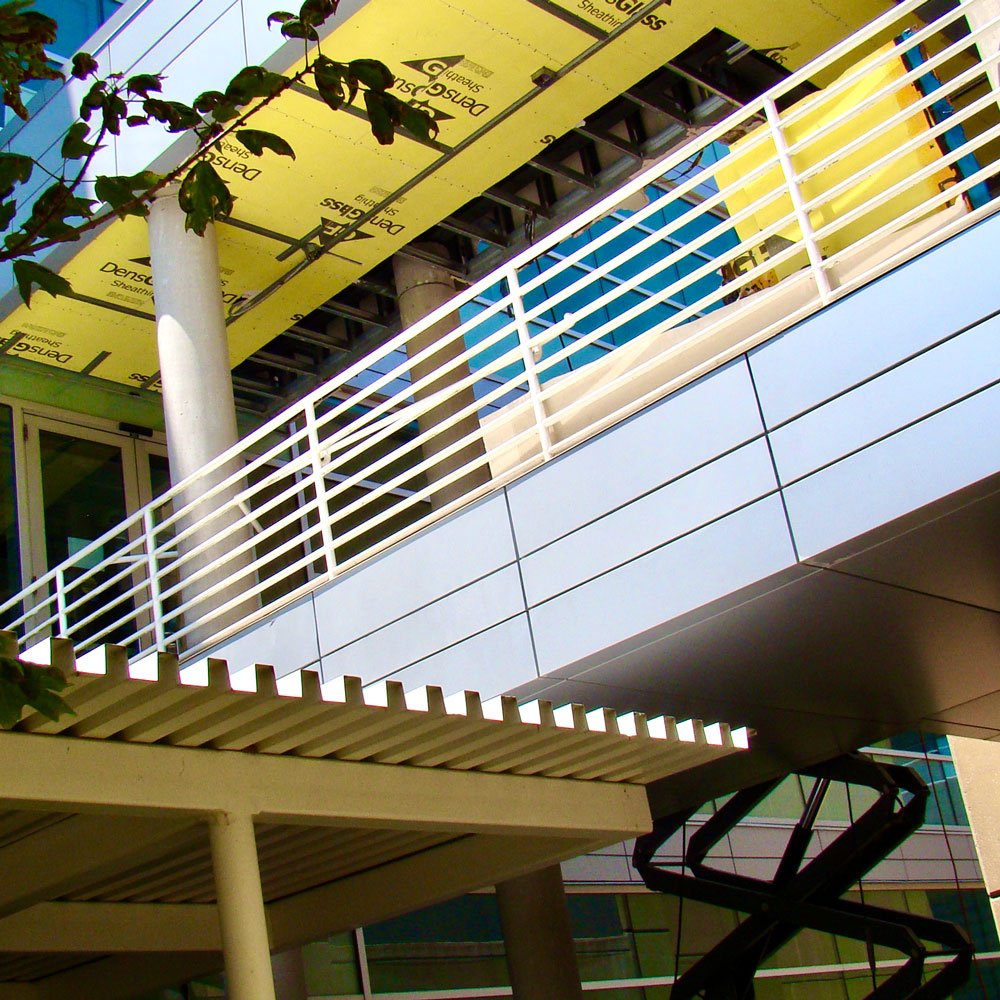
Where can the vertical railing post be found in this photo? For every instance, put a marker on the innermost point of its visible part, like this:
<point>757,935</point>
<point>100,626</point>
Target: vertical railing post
<point>528,359</point>
<point>63,618</point>
<point>795,192</point>
<point>153,575</point>
<point>319,485</point>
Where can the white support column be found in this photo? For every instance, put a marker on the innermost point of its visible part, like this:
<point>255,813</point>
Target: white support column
<point>420,288</point>
<point>977,764</point>
<point>242,921</point>
<point>538,938</point>
<point>198,406</point>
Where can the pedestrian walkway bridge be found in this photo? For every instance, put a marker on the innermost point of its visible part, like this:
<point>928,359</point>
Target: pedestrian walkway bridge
<point>732,455</point>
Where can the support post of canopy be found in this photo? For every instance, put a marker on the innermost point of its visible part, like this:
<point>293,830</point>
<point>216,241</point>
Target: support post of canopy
<point>242,921</point>
<point>198,408</point>
<point>420,288</point>
<point>976,764</point>
<point>538,938</point>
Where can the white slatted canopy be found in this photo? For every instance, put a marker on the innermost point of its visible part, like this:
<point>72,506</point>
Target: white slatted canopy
<point>364,803</point>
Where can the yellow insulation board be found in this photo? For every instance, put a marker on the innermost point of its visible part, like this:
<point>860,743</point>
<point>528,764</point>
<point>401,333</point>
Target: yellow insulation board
<point>465,61</point>
<point>811,146</point>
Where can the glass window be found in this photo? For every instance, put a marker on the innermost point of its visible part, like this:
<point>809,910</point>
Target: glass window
<point>77,20</point>
<point>83,495</point>
<point>10,560</point>
<point>453,945</point>
<point>331,967</point>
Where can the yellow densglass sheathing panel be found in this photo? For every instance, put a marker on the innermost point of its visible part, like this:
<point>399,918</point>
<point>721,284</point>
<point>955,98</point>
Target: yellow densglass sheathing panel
<point>744,157</point>
<point>466,62</point>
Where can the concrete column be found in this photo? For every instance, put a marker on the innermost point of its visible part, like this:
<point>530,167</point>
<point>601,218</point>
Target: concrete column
<point>242,920</point>
<point>538,938</point>
<point>420,288</point>
<point>977,763</point>
<point>198,407</point>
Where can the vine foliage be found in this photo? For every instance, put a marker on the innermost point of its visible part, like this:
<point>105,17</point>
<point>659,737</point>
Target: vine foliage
<point>61,213</point>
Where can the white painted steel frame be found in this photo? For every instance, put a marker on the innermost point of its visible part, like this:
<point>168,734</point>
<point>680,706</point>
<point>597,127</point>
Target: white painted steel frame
<point>343,486</point>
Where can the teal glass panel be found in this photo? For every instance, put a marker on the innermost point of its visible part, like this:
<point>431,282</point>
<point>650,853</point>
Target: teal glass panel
<point>77,20</point>
<point>454,945</point>
<point>83,496</point>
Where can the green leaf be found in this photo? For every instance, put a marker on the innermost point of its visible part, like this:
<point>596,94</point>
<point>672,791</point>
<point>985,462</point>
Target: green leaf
<point>115,191</point>
<point>176,116</point>
<point>8,210</point>
<point>299,29</point>
<point>113,110</point>
<point>92,100</point>
<point>27,274</point>
<point>254,81</point>
<point>418,122</point>
<point>329,79</point>
<point>279,17</point>
<point>257,141</point>
<point>383,115</point>
<point>209,101</point>
<point>372,73</point>
<point>204,197</point>
<point>14,169</point>
<point>317,11</point>
<point>142,84</point>
<point>84,65</point>
<point>75,146</point>
<point>120,191</point>
<point>11,703</point>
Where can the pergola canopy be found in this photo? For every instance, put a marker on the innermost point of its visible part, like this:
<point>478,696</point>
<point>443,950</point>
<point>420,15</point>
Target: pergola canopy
<point>356,805</point>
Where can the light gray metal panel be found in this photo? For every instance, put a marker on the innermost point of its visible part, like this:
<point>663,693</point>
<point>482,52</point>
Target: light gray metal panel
<point>287,641</point>
<point>928,382</point>
<point>948,288</point>
<point>913,467</point>
<point>682,506</point>
<point>149,43</point>
<point>647,592</point>
<point>432,564</point>
<point>593,868</point>
<point>692,426</point>
<point>431,629</point>
<point>491,662</point>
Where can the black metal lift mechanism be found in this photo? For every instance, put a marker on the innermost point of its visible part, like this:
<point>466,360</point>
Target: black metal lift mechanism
<point>808,895</point>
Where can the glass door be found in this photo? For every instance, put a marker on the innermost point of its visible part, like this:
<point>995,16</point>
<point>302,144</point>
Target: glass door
<point>82,483</point>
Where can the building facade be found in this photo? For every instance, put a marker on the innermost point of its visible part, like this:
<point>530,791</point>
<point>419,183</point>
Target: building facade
<point>558,290</point>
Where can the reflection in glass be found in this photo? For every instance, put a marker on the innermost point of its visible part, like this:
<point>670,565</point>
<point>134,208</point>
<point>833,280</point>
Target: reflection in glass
<point>83,496</point>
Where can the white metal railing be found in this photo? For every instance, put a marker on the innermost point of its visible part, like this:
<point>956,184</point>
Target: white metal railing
<point>814,204</point>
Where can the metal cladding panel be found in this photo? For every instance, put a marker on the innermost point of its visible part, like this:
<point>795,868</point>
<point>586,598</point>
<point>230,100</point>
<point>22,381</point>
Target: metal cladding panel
<point>494,660</point>
<point>934,457</point>
<point>288,640</point>
<point>429,629</point>
<point>691,427</point>
<point>877,408</point>
<point>647,592</point>
<point>414,575</point>
<point>930,298</point>
<point>680,507</point>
